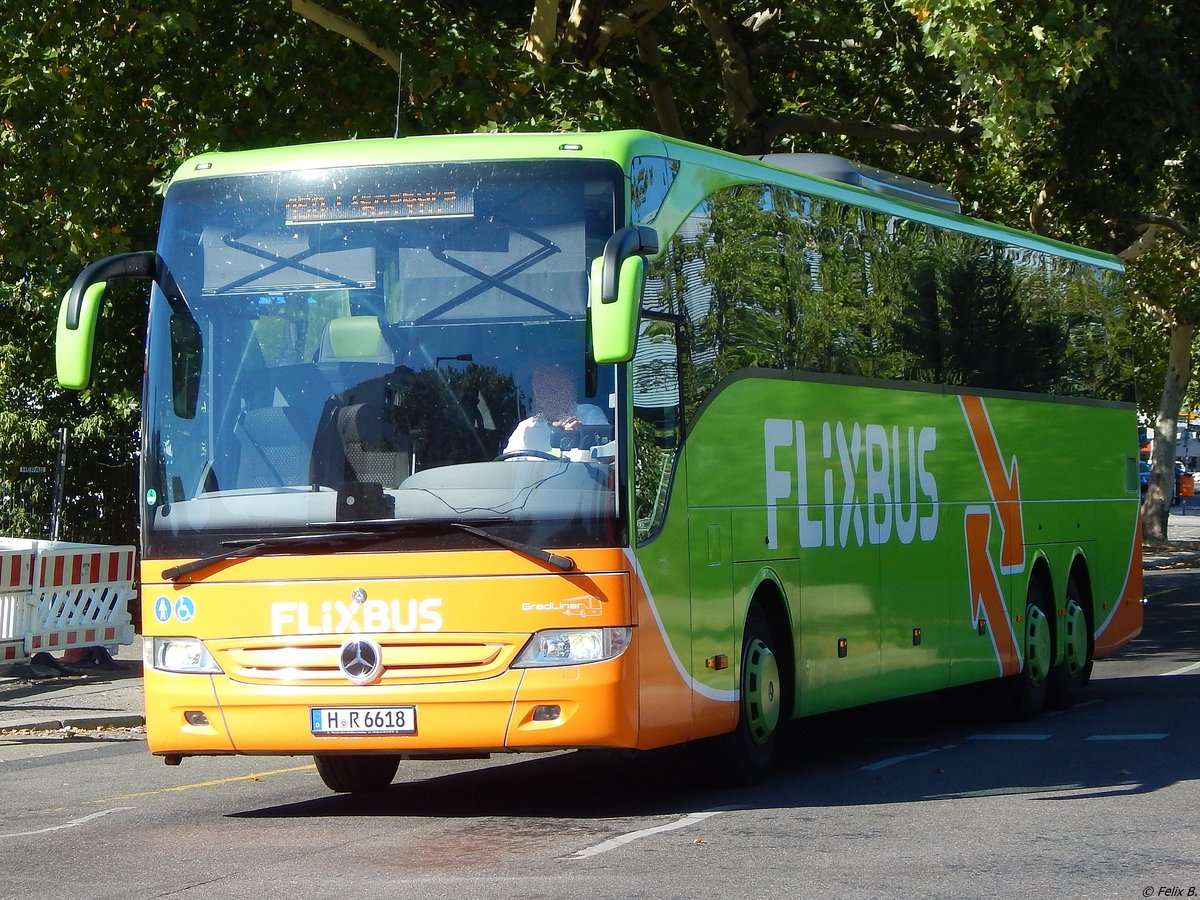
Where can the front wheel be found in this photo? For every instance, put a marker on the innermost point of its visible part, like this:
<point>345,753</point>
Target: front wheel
<point>356,774</point>
<point>746,753</point>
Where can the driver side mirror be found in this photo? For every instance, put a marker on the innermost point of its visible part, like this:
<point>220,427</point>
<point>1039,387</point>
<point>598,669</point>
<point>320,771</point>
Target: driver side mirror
<point>75,340</point>
<point>74,347</point>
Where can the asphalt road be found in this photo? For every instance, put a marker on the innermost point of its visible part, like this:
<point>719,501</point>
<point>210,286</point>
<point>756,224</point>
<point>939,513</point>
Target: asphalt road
<point>913,799</point>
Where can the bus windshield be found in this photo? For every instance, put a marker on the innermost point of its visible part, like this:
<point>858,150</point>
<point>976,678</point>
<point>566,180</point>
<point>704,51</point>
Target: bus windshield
<point>381,343</point>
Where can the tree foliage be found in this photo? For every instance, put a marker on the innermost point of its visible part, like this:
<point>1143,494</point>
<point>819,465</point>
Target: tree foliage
<point>1015,58</point>
<point>1077,116</point>
<point>99,102</point>
<point>1127,156</point>
<point>1094,107</point>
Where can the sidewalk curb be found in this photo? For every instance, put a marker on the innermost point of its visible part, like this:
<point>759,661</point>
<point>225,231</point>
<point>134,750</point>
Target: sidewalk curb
<point>1163,560</point>
<point>19,673</point>
<point>79,723</point>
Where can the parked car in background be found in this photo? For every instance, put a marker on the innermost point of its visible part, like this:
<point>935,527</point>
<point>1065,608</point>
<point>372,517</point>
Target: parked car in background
<point>1185,484</point>
<point>1174,486</point>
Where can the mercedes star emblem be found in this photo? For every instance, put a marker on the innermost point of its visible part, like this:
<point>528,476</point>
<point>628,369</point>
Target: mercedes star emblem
<point>361,659</point>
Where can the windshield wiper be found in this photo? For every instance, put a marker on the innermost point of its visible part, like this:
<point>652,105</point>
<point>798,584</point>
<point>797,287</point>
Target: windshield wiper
<point>255,547</point>
<point>363,532</point>
<point>471,527</point>
<point>559,562</point>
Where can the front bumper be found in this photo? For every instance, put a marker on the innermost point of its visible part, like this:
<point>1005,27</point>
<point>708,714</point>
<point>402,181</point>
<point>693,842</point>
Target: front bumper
<point>597,707</point>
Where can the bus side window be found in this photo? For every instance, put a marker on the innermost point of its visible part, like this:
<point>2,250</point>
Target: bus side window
<point>657,422</point>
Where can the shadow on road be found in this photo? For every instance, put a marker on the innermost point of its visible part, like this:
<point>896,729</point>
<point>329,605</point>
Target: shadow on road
<point>902,752</point>
<point>912,750</point>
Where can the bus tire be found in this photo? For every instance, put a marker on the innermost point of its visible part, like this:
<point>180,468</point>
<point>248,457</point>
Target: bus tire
<point>1025,692</point>
<point>1071,673</point>
<point>745,754</point>
<point>356,774</point>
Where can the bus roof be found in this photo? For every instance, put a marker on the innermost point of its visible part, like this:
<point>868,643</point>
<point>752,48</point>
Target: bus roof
<point>719,169</point>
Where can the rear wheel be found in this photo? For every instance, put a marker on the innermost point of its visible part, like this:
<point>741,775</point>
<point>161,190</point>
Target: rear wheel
<point>1072,672</point>
<point>746,752</point>
<point>1025,692</point>
<point>356,774</point>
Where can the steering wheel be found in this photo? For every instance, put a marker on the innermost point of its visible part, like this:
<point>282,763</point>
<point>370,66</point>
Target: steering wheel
<point>536,454</point>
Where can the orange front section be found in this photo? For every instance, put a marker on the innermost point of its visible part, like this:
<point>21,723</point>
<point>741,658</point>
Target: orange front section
<point>275,626</point>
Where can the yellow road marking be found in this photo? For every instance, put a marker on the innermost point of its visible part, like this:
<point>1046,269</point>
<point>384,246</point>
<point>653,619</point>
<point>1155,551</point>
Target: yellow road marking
<point>203,784</point>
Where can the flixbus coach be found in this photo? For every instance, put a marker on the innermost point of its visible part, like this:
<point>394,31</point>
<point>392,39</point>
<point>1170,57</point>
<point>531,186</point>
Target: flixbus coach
<point>850,445</point>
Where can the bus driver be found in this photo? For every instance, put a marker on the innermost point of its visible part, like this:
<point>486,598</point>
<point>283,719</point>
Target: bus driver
<point>558,419</point>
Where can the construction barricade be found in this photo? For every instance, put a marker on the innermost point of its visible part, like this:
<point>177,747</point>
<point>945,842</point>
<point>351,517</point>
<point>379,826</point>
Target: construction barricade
<point>56,596</point>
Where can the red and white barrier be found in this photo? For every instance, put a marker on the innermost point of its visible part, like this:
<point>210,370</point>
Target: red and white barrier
<point>16,599</point>
<point>57,596</point>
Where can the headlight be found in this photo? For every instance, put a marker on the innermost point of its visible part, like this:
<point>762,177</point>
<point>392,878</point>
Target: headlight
<point>187,655</point>
<point>573,646</point>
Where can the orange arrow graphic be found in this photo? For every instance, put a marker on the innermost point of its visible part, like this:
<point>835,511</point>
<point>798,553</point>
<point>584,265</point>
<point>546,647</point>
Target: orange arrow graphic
<point>986,591</point>
<point>1004,486</point>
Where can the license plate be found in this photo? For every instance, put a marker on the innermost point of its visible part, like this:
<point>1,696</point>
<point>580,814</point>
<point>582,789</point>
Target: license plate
<point>364,720</point>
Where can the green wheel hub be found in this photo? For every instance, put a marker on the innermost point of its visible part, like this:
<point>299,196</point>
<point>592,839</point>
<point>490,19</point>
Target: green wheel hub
<point>1037,645</point>
<point>1076,645</point>
<point>762,695</point>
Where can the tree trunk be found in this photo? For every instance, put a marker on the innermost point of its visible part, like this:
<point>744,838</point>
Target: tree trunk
<point>543,31</point>
<point>1156,503</point>
<point>662,94</point>
<point>735,70</point>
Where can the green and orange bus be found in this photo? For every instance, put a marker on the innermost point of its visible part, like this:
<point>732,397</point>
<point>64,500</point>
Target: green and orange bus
<point>817,440</point>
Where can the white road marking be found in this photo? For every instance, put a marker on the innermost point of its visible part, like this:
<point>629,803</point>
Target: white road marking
<point>619,841</point>
<point>1127,737</point>
<point>1192,668</point>
<point>74,823</point>
<point>1009,737</point>
<point>896,760</point>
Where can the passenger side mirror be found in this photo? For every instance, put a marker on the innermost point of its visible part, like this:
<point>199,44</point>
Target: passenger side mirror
<point>617,279</point>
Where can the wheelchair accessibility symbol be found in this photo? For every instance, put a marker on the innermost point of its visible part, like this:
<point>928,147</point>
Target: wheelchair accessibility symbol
<point>184,609</point>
